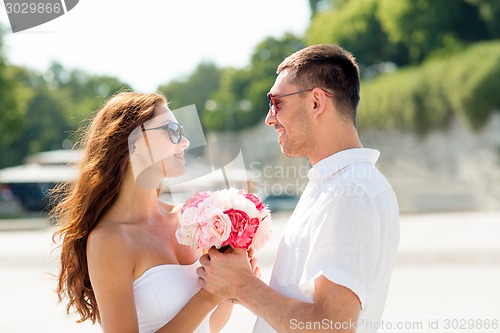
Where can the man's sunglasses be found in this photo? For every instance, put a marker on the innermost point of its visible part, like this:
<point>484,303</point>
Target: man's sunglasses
<point>174,131</point>
<point>272,99</point>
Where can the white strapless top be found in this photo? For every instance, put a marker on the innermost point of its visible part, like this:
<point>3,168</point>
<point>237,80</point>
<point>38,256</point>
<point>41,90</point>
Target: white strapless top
<point>161,292</point>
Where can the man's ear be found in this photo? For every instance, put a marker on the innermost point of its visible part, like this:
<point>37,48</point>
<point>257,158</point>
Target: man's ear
<point>319,101</point>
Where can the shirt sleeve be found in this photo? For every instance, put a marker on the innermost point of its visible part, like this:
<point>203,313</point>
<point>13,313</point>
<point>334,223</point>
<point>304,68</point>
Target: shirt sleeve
<point>344,242</point>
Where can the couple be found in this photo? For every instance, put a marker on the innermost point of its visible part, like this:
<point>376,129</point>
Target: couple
<point>122,266</point>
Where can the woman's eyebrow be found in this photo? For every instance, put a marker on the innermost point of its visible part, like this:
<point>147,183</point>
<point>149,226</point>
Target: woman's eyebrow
<point>159,123</point>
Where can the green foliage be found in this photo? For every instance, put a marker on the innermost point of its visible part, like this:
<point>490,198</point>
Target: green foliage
<point>404,31</point>
<point>195,89</point>
<point>83,92</point>
<point>321,5</point>
<point>456,77</point>
<point>261,75</point>
<point>54,105</point>
<point>13,99</point>
<point>424,26</point>
<point>356,27</point>
<point>240,99</point>
<point>473,82</point>
<point>425,97</point>
<point>43,126</point>
<point>489,12</point>
<point>223,106</point>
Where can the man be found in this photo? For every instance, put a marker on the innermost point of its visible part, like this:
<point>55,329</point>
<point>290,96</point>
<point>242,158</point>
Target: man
<point>335,259</point>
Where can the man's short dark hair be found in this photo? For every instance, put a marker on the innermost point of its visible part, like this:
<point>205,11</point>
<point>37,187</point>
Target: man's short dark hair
<point>330,67</point>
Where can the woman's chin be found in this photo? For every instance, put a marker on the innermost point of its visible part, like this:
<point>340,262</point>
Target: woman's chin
<point>180,170</point>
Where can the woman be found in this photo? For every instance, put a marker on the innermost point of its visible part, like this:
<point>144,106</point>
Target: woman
<point>121,265</point>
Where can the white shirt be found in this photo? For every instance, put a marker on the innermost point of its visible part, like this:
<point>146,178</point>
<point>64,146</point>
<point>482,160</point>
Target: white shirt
<point>345,227</point>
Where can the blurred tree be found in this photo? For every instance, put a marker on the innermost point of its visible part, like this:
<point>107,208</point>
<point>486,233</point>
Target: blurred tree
<point>44,126</point>
<point>420,98</point>
<point>56,102</point>
<point>313,5</point>
<point>322,5</point>
<point>489,12</point>
<point>84,92</point>
<point>241,100</point>
<point>219,111</point>
<point>404,31</point>
<point>13,99</point>
<point>427,26</point>
<point>195,89</point>
<point>356,27</point>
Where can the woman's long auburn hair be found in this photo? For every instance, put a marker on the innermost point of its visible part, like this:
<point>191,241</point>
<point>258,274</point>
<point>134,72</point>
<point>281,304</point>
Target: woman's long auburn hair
<point>81,204</point>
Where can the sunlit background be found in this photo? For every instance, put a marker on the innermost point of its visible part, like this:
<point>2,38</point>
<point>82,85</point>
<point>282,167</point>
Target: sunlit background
<point>430,103</point>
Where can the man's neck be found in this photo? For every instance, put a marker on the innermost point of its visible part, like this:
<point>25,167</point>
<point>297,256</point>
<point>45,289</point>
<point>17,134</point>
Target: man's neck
<point>334,142</point>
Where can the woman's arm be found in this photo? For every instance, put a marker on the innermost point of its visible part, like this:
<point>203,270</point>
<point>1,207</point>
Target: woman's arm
<point>192,314</point>
<point>111,264</point>
<point>220,316</point>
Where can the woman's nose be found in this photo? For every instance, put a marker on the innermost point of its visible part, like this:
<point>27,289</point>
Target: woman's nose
<point>184,142</point>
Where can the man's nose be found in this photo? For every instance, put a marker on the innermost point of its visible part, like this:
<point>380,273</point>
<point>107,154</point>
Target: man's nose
<point>270,118</point>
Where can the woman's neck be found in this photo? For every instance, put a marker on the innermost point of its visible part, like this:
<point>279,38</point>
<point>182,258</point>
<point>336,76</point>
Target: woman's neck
<point>135,202</point>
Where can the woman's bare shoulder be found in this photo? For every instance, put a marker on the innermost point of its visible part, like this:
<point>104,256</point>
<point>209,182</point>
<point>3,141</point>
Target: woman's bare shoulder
<point>110,238</point>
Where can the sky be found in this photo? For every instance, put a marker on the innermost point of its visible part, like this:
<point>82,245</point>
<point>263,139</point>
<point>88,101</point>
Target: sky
<point>147,43</point>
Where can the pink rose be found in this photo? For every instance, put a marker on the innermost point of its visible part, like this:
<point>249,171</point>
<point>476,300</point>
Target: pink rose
<point>195,200</point>
<point>223,218</point>
<point>187,227</point>
<point>256,201</point>
<point>214,230</point>
<point>243,229</point>
<point>263,233</point>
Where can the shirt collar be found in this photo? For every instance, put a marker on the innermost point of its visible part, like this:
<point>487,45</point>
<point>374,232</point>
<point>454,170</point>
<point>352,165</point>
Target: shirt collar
<point>338,161</point>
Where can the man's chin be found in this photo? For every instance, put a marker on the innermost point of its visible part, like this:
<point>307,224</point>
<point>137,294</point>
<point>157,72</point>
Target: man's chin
<point>290,152</point>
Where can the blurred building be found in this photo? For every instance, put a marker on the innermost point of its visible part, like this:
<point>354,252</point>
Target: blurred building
<point>25,187</point>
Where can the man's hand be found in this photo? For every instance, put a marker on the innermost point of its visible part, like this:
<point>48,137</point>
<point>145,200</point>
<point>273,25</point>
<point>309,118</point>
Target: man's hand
<point>223,273</point>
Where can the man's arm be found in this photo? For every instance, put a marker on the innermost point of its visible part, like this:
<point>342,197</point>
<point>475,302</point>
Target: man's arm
<point>335,308</point>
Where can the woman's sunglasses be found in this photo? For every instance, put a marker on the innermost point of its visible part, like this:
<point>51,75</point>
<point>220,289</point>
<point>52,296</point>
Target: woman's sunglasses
<point>174,131</point>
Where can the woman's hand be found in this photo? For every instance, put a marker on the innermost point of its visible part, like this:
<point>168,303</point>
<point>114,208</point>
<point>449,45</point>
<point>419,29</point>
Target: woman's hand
<point>253,262</point>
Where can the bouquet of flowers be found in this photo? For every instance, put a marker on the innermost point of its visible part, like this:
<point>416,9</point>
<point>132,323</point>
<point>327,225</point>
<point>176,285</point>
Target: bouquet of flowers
<point>224,218</point>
